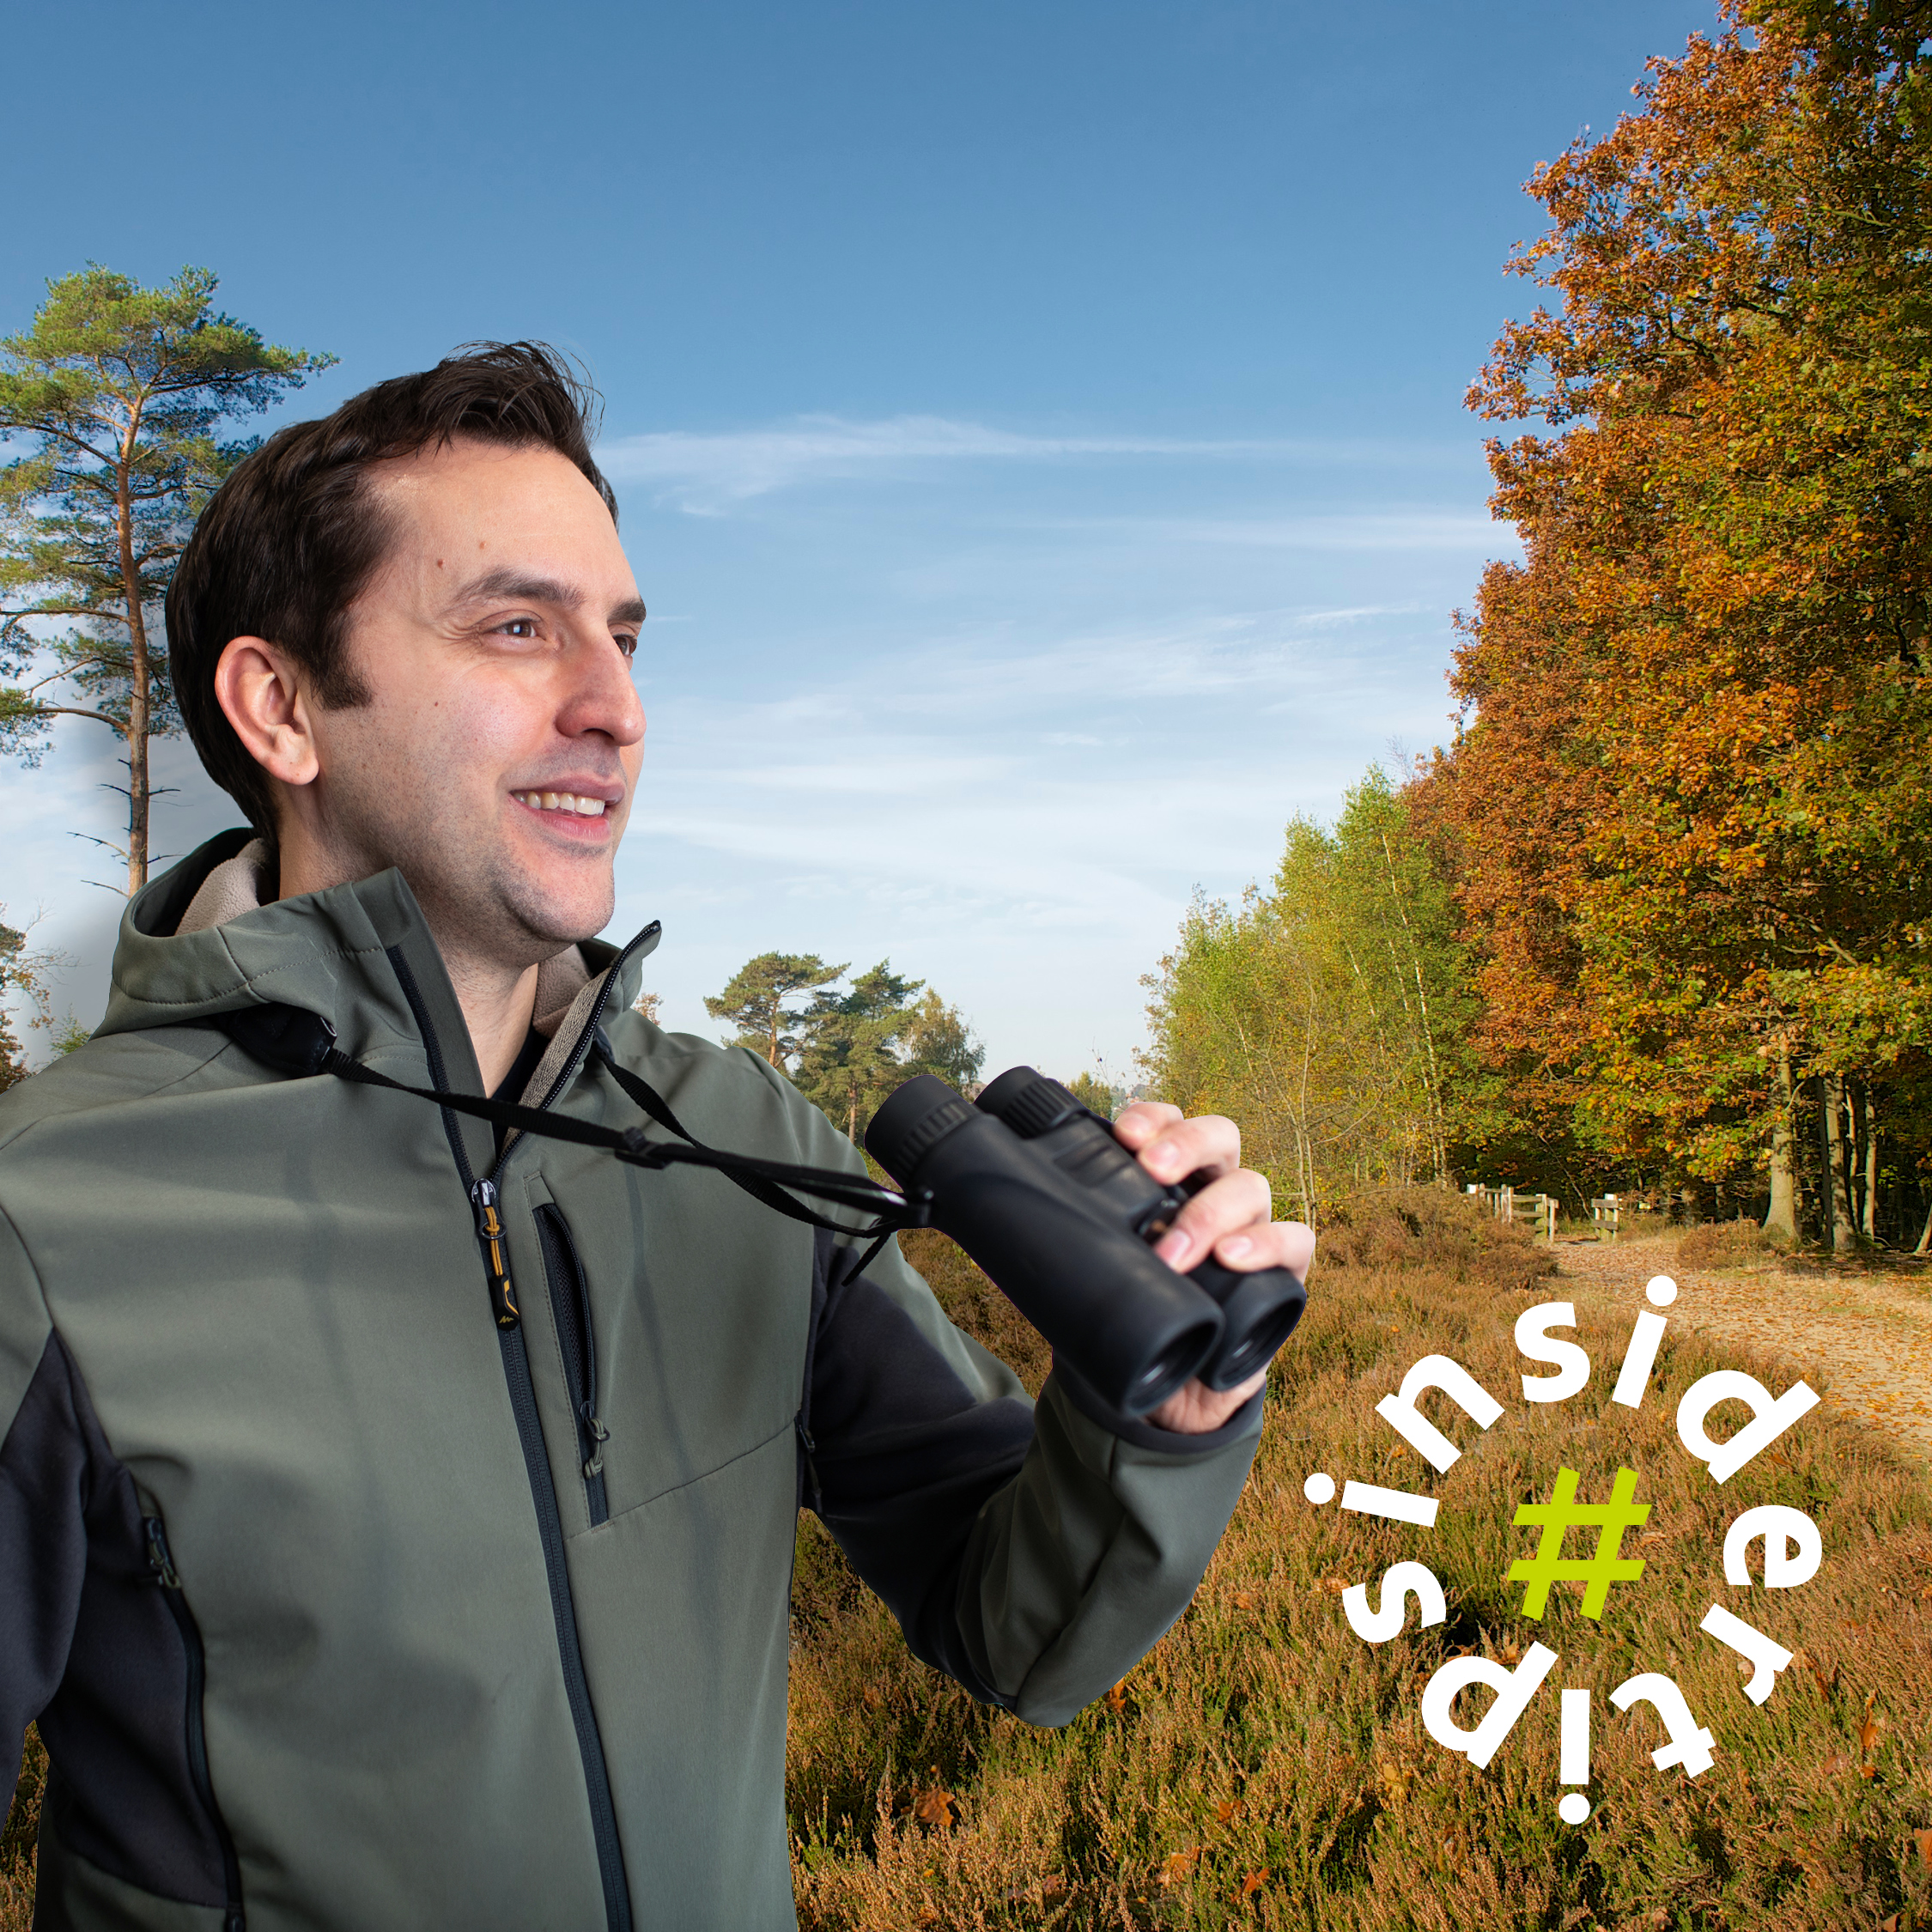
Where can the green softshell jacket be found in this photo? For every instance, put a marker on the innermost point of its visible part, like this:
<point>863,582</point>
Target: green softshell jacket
<point>343,1602</point>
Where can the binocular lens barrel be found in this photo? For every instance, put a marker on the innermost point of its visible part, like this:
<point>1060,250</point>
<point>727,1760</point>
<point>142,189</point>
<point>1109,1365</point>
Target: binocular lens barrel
<point>1118,1315</point>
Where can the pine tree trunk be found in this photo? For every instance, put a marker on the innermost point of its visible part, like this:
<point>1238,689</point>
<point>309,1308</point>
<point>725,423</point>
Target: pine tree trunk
<point>1925,1233</point>
<point>1837,1193</point>
<point>137,692</point>
<point>1781,1217</point>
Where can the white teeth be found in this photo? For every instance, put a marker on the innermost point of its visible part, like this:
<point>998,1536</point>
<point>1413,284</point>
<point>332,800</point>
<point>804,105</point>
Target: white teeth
<point>560,801</point>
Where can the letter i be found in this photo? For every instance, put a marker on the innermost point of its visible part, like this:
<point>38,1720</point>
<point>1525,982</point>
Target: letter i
<point>1640,1358</point>
<point>1573,1751</point>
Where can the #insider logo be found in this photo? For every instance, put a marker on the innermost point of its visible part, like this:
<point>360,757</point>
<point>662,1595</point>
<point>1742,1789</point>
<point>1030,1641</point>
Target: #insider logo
<point>1793,1547</point>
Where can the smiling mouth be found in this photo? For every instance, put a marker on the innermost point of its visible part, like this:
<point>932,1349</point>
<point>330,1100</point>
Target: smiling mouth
<point>560,801</point>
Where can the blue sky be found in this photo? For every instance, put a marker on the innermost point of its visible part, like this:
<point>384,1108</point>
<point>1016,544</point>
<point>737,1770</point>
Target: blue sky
<point>1038,427</point>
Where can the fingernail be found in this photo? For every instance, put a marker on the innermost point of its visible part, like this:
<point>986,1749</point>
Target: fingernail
<point>1173,1247</point>
<point>1234,1247</point>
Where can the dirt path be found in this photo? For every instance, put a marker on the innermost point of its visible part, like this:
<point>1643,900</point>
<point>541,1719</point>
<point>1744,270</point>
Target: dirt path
<point>1864,1340</point>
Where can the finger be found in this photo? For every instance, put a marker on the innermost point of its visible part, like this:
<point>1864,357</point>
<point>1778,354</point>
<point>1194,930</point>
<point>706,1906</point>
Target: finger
<point>1237,1201</point>
<point>1280,1244</point>
<point>1197,1410</point>
<point>1184,1147</point>
<point>1143,1122</point>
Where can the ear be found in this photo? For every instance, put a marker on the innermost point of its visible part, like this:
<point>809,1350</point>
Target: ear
<point>257,686</point>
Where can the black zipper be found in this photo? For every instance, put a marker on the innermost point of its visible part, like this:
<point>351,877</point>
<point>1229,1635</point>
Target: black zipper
<point>161,1562</point>
<point>486,1204</point>
<point>576,1336</point>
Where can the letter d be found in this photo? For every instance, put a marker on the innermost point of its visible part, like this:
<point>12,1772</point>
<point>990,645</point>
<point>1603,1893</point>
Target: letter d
<point>1769,1419</point>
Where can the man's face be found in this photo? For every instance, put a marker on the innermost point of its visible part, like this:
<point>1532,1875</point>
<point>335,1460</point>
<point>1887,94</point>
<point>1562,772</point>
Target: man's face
<point>497,757</point>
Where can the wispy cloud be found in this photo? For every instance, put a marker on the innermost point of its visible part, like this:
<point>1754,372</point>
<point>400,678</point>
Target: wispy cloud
<point>706,474</point>
<point>1369,530</point>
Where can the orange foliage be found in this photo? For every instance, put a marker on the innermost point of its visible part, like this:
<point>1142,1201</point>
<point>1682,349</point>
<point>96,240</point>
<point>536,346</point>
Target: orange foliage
<point>1692,793</point>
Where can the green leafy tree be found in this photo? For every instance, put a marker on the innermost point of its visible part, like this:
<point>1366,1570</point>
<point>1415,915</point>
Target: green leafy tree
<point>1327,1015</point>
<point>850,1061</point>
<point>1092,1092</point>
<point>23,974</point>
<point>937,1040</point>
<point>758,1002</point>
<point>118,393</point>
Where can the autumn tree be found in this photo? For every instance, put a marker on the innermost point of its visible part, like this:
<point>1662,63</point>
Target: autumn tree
<point>1690,784</point>
<point>119,394</point>
<point>761,1002</point>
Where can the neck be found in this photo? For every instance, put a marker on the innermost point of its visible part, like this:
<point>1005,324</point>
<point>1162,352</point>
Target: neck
<point>498,1003</point>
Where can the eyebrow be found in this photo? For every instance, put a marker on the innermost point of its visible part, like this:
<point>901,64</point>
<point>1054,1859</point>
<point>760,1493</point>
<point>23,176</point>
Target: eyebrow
<point>518,586</point>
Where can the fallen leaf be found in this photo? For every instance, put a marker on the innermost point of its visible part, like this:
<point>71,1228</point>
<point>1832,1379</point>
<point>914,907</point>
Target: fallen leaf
<point>1254,1882</point>
<point>1178,1867</point>
<point>1394,1781</point>
<point>1052,1886</point>
<point>1246,1600</point>
<point>1870,1734</point>
<point>1835,1763</point>
<point>1229,1810</point>
<point>1336,1584</point>
<point>1116,1699</point>
<point>928,1913</point>
<point>934,1807</point>
<point>1924,1847</point>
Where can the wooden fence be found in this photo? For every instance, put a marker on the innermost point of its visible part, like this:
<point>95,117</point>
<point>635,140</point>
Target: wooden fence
<point>1542,1212</point>
<point>1538,1211</point>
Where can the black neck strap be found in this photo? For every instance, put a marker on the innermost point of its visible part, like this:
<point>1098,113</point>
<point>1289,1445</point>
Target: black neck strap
<point>293,1041</point>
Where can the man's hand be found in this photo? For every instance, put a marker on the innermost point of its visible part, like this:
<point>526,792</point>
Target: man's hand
<point>1228,1217</point>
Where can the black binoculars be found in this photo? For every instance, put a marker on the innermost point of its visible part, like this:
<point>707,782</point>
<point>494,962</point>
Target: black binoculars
<point>1037,1189</point>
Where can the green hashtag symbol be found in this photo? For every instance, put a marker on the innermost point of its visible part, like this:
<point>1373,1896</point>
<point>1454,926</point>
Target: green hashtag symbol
<point>1596,1573</point>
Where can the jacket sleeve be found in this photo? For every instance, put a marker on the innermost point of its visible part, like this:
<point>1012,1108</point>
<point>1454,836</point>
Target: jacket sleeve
<point>1035,1552</point>
<point>43,1479</point>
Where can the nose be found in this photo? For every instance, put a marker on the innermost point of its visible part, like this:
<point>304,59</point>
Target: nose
<point>600,700</point>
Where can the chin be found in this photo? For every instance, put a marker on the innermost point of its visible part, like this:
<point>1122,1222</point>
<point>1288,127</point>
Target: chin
<point>562,919</point>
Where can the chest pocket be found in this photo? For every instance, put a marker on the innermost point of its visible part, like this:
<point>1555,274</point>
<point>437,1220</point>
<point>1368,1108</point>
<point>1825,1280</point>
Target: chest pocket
<point>576,1338</point>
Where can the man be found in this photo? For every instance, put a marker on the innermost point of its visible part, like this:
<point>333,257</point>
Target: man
<point>397,1516</point>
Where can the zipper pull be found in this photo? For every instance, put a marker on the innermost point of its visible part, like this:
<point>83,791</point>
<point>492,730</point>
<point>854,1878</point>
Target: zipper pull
<point>159,1558</point>
<point>811,1449</point>
<point>489,1233</point>
<point>594,1425</point>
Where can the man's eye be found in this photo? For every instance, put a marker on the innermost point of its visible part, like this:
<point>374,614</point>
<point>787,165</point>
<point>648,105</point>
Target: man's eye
<point>626,643</point>
<point>519,627</point>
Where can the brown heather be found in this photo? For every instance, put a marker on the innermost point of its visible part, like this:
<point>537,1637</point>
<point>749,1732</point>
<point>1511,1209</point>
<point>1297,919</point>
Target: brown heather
<point>1263,1737</point>
<point>1264,1766</point>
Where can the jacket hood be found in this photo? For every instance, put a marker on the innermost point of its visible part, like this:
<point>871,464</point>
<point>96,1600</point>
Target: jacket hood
<point>327,952</point>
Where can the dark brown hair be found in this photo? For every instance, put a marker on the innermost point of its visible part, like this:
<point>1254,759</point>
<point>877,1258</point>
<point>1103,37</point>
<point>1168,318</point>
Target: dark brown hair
<point>286,545</point>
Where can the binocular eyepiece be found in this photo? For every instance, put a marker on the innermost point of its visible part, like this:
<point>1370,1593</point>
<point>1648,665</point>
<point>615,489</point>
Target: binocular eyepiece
<point>1037,1189</point>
